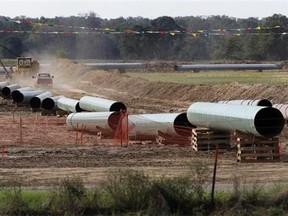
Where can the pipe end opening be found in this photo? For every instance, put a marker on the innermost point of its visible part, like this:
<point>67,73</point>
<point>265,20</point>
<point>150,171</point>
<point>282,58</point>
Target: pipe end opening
<point>269,122</point>
<point>182,126</point>
<point>117,107</point>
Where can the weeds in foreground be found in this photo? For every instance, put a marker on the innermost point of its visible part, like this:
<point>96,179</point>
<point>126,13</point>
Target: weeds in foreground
<point>130,192</point>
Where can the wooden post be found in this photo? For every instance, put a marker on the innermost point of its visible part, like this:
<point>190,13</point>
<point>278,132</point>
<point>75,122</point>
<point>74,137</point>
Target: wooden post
<point>121,129</point>
<point>13,114</point>
<point>21,133</point>
<point>76,139</point>
<point>127,127</point>
<point>214,176</point>
<point>46,121</point>
<point>35,121</point>
<point>81,137</point>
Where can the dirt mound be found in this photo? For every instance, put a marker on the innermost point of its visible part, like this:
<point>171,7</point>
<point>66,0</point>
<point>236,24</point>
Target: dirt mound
<point>285,65</point>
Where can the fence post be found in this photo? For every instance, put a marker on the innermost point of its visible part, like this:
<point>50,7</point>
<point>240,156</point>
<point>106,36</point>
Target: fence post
<point>76,139</point>
<point>21,132</point>
<point>214,176</point>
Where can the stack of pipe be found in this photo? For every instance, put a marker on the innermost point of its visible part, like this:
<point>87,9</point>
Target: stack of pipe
<point>96,104</point>
<point>17,91</point>
<point>106,122</point>
<point>147,125</point>
<point>7,90</point>
<point>25,96</point>
<point>199,67</point>
<point>2,85</point>
<point>141,126</point>
<point>50,103</point>
<point>256,120</point>
<point>36,102</point>
<point>68,105</point>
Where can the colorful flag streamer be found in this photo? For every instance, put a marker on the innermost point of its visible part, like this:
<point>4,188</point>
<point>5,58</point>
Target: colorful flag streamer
<point>48,28</point>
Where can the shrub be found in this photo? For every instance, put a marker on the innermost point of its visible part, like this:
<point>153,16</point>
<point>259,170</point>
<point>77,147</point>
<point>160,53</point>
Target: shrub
<point>14,203</point>
<point>69,198</point>
<point>126,191</point>
<point>177,195</point>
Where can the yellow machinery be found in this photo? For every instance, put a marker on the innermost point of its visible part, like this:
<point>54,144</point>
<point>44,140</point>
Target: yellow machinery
<point>25,65</point>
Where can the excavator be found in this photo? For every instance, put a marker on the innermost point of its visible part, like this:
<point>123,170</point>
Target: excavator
<point>25,65</point>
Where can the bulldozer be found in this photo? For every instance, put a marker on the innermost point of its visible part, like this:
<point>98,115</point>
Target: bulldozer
<point>25,65</point>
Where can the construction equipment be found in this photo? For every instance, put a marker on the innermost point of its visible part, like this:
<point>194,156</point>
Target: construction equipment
<point>27,65</point>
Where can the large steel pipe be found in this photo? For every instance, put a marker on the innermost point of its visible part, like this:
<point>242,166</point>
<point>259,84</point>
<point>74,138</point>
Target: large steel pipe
<point>68,104</point>
<point>25,96</point>
<point>93,121</point>
<point>2,85</point>
<point>7,90</point>
<point>259,102</point>
<point>96,104</point>
<point>50,103</point>
<point>199,67</point>
<point>107,66</point>
<point>172,124</point>
<point>36,102</point>
<point>16,91</point>
<point>260,121</point>
<point>283,108</point>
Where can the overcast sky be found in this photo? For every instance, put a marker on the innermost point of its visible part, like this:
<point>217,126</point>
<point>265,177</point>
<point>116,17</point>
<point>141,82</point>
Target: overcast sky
<point>148,9</point>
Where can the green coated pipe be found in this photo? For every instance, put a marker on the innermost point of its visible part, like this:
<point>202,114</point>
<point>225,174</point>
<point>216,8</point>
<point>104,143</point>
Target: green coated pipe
<point>257,120</point>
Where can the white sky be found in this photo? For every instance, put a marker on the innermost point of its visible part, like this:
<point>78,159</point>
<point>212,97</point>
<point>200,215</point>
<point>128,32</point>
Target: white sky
<point>145,8</point>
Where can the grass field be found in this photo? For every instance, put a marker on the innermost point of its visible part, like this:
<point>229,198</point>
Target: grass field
<point>217,77</point>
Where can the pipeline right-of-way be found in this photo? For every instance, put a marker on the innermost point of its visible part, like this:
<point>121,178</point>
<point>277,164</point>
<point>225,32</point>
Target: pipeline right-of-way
<point>256,117</point>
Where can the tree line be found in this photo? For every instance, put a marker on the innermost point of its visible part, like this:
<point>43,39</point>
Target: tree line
<point>270,44</point>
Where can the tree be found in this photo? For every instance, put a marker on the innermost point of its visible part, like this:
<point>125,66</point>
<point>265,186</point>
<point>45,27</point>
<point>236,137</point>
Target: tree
<point>230,49</point>
<point>277,44</point>
<point>255,47</point>
<point>163,43</point>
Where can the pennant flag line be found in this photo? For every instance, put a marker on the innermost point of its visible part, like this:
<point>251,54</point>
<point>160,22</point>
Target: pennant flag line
<point>128,32</point>
<point>43,28</point>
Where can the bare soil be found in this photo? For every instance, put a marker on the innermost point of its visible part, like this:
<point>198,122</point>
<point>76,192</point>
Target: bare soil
<point>39,150</point>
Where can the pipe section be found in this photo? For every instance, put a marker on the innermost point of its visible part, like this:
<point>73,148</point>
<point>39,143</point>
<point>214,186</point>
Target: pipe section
<point>283,108</point>
<point>260,121</point>
<point>93,121</point>
<point>2,85</point>
<point>16,91</point>
<point>7,90</point>
<point>68,104</point>
<point>199,67</point>
<point>25,96</point>
<point>260,102</point>
<point>173,124</point>
<point>107,66</point>
<point>96,104</point>
<point>50,103</point>
<point>35,102</point>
